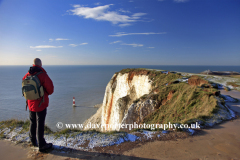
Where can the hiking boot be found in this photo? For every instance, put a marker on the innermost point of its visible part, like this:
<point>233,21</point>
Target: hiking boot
<point>46,147</point>
<point>34,144</point>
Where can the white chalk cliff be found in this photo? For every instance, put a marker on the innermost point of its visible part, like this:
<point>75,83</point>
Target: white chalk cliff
<point>120,93</point>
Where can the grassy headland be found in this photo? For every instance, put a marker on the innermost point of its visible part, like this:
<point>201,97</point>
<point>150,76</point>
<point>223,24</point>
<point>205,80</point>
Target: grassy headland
<point>178,101</point>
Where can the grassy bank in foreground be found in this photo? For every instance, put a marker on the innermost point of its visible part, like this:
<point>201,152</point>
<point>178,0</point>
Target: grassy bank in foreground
<point>13,124</point>
<point>24,125</point>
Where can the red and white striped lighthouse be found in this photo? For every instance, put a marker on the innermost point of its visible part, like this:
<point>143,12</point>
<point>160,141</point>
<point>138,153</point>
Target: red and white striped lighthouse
<point>74,102</point>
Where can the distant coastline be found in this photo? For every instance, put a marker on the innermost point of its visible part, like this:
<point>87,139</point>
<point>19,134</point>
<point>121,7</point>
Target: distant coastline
<point>220,73</point>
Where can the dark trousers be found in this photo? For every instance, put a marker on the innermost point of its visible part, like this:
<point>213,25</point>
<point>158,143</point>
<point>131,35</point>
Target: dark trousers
<point>37,122</point>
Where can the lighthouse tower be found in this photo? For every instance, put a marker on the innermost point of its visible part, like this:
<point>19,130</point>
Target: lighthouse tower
<point>74,102</point>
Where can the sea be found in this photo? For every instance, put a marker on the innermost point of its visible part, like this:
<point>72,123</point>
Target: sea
<point>86,83</point>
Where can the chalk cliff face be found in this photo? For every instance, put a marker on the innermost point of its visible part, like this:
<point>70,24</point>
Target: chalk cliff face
<point>120,93</point>
<point>138,111</point>
<point>137,96</point>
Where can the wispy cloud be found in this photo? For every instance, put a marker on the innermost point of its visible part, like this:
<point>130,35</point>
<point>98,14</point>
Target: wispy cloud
<point>73,45</point>
<point>58,39</point>
<point>83,44</point>
<point>61,39</point>
<point>124,11</point>
<point>133,44</point>
<point>137,15</point>
<point>45,46</point>
<point>38,50</point>
<point>98,3</point>
<point>180,1</point>
<point>101,13</point>
<point>120,34</point>
<point>124,24</point>
<point>115,42</point>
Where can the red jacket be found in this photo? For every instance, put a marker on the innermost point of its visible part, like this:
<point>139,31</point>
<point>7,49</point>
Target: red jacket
<point>47,84</point>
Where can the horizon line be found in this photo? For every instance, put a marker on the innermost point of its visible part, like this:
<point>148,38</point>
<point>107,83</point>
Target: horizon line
<point>116,65</point>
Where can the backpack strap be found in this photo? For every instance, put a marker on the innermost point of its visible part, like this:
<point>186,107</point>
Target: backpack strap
<point>38,73</point>
<point>26,105</point>
<point>38,82</point>
<point>39,90</point>
<point>41,101</point>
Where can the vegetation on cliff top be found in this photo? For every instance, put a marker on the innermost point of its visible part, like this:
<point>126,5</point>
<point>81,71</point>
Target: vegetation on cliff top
<point>14,123</point>
<point>24,125</point>
<point>178,102</point>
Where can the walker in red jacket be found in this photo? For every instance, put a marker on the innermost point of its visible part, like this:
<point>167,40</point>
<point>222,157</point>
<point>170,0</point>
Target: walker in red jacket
<point>38,108</point>
<point>47,84</point>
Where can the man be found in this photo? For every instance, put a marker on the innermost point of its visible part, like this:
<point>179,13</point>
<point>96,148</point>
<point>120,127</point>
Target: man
<point>38,108</point>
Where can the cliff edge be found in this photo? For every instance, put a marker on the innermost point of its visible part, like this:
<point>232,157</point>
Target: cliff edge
<point>137,96</point>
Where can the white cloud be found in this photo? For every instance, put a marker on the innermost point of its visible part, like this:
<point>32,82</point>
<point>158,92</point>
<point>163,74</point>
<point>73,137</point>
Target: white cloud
<point>124,24</point>
<point>76,5</point>
<point>120,34</point>
<point>97,4</point>
<point>61,39</point>
<point>58,39</point>
<point>38,50</point>
<point>133,44</point>
<point>124,11</point>
<point>73,45</point>
<point>83,44</point>
<point>138,15</point>
<point>180,1</point>
<point>101,13</point>
<point>45,46</point>
<point>115,42</point>
<point>151,47</point>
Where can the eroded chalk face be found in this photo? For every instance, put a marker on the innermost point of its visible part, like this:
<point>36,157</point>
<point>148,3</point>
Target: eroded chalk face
<point>120,93</point>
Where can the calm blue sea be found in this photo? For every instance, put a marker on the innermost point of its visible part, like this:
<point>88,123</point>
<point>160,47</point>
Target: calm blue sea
<point>86,83</point>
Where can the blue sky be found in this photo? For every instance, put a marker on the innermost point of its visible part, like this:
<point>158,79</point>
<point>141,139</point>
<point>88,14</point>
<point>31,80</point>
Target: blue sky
<point>120,32</point>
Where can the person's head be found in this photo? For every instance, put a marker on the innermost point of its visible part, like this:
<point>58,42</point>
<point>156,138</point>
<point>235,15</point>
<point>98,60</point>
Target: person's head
<point>37,61</point>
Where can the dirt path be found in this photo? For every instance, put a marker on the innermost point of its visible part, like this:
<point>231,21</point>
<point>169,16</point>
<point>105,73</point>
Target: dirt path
<point>10,151</point>
<point>220,142</point>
